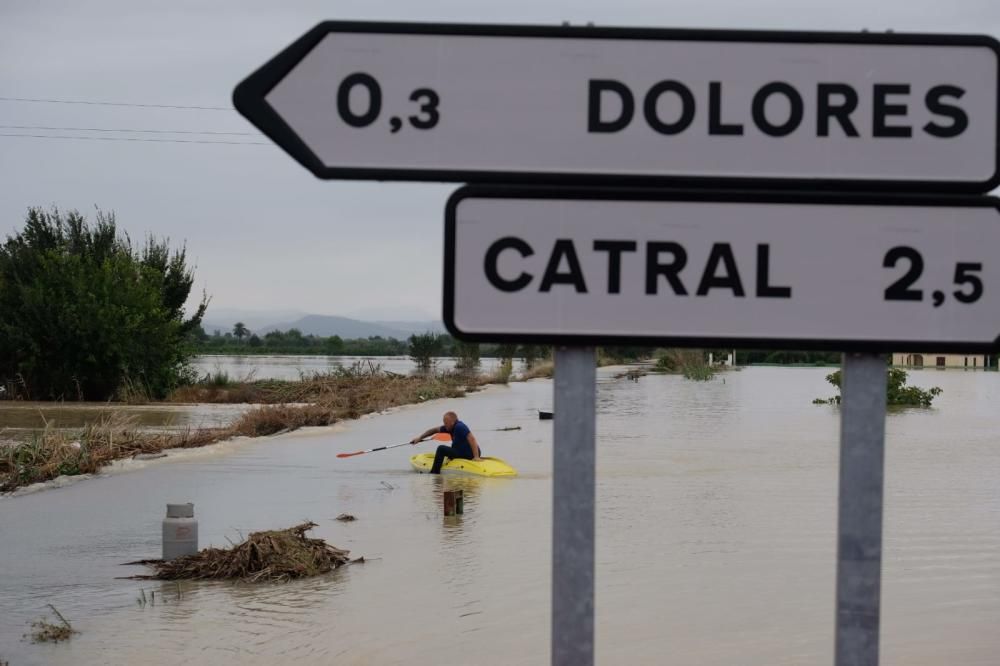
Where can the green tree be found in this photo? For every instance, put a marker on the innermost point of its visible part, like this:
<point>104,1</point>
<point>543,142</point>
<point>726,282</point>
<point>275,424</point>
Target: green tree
<point>628,353</point>
<point>334,345</point>
<point>468,356</point>
<point>240,331</point>
<point>691,363</point>
<point>197,335</point>
<point>424,347</point>
<point>506,351</point>
<point>897,392</point>
<point>274,338</point>
<point>83,313</point>
<point>530,354</point>
<point>294,338</point>
<point>255,341</point>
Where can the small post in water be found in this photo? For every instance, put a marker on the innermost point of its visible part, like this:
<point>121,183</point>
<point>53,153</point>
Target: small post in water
<point>180,531</point>
<point>449,503</point>
<point>573,507</point>
<point>859,519</point>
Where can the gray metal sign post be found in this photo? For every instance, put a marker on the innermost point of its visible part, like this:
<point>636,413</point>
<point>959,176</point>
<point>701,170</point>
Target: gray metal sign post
<point>573,466</point>
<point>859,520</point>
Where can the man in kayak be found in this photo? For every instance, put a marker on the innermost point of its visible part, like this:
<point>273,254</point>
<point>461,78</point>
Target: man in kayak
<point>463,442</point>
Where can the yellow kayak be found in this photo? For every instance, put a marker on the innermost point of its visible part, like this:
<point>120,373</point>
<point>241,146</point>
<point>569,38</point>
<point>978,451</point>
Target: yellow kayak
<point>422,462</point>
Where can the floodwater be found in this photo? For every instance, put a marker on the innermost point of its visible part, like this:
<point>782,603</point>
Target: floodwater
<point>17,416</point>
<point>18,420</point>
<point>716,519</point>
<point>294,366</point>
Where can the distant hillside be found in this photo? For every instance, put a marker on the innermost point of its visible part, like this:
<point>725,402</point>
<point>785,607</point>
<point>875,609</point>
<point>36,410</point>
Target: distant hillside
<point>327,325</point>
<point>211,328</point>
<point>223,319</point>
<point>414,326</point>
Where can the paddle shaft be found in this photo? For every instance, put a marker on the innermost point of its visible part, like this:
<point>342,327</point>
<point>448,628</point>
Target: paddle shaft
<point>440,437</point>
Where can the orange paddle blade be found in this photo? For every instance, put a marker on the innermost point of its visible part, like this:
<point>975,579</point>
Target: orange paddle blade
<point>348,455</point>
<point>442,437</point>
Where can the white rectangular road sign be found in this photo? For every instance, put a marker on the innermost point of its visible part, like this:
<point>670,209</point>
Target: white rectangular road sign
<point>634,106</point>
<point>864,272</point>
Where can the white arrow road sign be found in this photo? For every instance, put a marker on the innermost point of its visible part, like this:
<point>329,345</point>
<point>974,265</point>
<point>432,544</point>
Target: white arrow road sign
<point>865,272</point>
<point>633,106</point>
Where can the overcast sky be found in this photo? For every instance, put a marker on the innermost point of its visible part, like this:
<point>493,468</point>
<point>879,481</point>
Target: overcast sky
<point>263,232</point>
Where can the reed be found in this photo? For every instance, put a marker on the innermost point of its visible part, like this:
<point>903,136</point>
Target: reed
<point>43,631</point>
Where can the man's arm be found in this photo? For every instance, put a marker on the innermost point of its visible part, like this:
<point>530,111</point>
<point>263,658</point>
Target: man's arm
<point>425,434</point>
<point>475,446</point>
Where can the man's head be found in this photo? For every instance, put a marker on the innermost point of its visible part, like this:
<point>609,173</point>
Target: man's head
<point>450,419</point>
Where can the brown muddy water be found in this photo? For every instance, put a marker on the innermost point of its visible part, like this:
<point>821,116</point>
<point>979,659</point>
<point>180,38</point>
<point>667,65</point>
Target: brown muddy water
<point>18,420</point>
<point>715,524</point>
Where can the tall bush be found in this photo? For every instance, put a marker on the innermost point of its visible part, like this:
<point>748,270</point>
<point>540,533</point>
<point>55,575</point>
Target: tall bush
<point>84,314</point>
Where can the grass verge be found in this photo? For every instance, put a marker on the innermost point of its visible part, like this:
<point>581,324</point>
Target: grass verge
<point>544,369</point>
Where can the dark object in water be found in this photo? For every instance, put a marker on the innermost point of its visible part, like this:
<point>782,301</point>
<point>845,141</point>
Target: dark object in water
<point>544,415</point>
<point>346,518</point>
<point>454,502</point>
<point>149,456</point>
<point>150,561</point>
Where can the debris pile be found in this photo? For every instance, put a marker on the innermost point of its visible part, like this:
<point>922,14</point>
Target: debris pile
<point>272,556</point>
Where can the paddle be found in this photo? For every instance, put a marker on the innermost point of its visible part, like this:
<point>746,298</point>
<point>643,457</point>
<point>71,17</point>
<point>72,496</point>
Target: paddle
<point>440,437</point>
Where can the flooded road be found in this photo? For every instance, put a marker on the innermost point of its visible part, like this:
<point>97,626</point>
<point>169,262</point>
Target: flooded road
<point>716,520</point>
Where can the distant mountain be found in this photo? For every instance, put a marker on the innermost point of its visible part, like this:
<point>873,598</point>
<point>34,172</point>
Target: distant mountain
<point>223,319</point>
<point>405,313</point>
<point>414,326</point>
<point>398,324</point>
<point>211,328</point>
<point>327,325</point>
